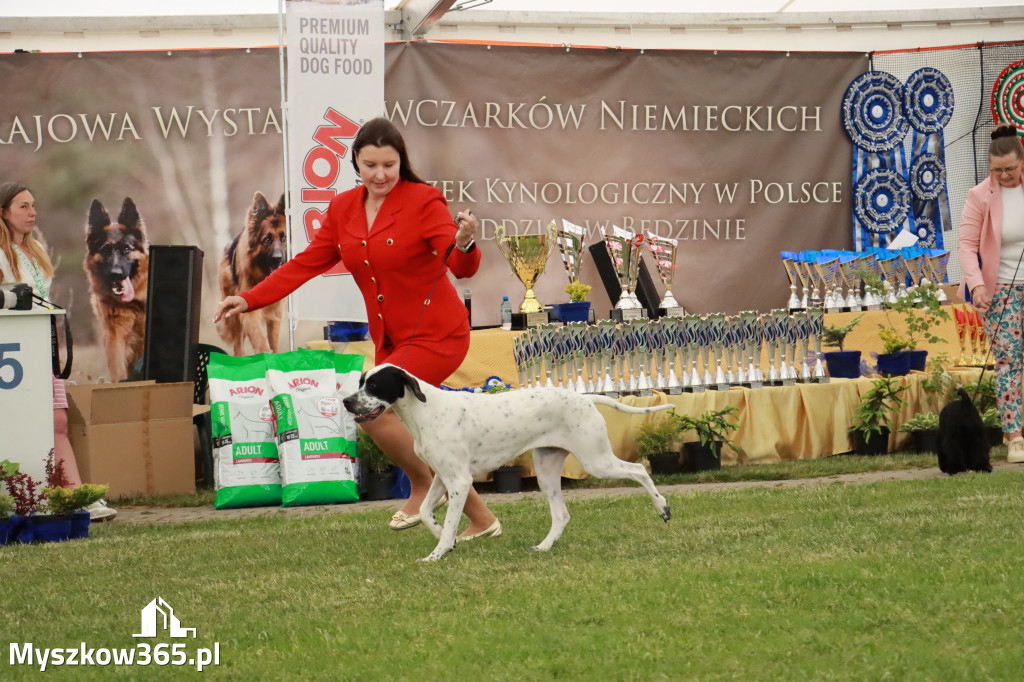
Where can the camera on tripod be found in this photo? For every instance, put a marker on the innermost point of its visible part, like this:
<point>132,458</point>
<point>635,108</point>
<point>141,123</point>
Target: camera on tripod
<point>15,297</point>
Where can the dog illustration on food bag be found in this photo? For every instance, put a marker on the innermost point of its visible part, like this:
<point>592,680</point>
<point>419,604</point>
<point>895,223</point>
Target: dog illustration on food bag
<point>254,253</point>
<point>117,267</point>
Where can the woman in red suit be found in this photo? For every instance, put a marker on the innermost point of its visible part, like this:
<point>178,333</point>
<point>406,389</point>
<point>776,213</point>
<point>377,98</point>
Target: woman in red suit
<point>392,234</point>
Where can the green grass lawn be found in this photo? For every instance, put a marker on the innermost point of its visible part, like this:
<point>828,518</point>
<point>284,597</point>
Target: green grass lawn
<point>911,580</point>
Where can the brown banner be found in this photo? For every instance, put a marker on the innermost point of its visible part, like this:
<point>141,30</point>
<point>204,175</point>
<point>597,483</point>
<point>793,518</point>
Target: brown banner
<point>737,155</point>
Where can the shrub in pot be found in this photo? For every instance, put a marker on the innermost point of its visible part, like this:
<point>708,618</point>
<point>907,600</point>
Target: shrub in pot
<point>925,427</point>
<point>377,470</point>
<point>841,363</point>
<point>921,311</point>
<point>658,443</point>
<point>578,307</point>
<point>873,418</point>
<point>70,503</point>
<point>713,428</point>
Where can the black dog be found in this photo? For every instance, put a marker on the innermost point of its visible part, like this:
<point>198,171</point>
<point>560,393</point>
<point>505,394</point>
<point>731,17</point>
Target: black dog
<point>963,441</point>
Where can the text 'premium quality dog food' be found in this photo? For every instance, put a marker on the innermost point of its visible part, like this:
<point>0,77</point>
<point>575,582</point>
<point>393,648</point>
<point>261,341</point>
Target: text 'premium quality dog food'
<point>316,437</point>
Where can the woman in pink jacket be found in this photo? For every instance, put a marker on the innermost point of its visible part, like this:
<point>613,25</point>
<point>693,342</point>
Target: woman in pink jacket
<point>991,245</point>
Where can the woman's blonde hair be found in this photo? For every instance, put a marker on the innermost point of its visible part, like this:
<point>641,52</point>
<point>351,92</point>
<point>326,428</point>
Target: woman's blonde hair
<point>8,191</point>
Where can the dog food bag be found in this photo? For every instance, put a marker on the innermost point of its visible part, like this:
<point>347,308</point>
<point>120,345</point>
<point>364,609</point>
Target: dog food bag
<point>316,437</point>
<point>246,469</point>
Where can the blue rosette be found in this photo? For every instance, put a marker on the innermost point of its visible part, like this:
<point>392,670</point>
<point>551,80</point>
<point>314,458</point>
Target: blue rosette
<point>881,201</point>
<point>928,176</point>
<point>928,100</point>
<point>873,111</point>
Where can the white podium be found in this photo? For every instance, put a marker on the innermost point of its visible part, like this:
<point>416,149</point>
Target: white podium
<point>26,389</point>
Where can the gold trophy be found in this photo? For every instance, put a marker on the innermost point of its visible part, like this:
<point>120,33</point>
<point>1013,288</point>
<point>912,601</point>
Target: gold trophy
<point>527,255</point>
<point>664,251</point>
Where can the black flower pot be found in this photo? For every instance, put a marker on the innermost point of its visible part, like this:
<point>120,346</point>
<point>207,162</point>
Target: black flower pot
<point>697,457</point>
<point>379,485</point>
<point>844,364</point>
<point>926,440</point>
<point>508,479</point>
<point>873,443</point>
<point>665,463</point>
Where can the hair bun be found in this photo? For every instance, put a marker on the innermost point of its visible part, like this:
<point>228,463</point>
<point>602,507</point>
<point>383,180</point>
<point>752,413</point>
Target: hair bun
<point>1004,130</point>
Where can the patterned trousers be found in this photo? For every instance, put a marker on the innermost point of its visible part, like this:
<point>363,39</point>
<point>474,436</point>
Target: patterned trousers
<point>1003,324</point>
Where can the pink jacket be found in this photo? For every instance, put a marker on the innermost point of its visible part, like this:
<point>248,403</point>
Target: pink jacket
<point>981,233</point>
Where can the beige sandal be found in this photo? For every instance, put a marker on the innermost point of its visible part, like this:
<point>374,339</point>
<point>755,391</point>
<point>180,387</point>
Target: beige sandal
<point>401,520</point>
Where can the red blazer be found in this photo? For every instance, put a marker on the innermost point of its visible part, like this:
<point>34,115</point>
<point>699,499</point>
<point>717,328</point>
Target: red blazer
<point>394,264</point>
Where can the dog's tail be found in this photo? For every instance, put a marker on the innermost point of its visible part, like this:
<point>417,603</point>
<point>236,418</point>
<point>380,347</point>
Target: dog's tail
<point>604,400</point>
<point>965,397</point>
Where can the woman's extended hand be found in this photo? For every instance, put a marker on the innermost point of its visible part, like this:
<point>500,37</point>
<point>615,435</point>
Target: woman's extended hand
<point>229,306</point>
<point>468,225</point>
<point>981,299</point>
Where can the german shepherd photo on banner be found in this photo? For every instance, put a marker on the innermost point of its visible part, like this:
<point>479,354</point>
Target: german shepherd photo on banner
<point>254,253</point>
<point>117,267</point>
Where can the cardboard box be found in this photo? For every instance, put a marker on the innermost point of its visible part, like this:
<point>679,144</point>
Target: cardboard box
<point>135,437</point>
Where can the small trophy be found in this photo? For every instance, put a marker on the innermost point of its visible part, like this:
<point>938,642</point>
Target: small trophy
<point>641,356</point>
<point>669,325</point>
<point>592,353</point>
<point>664,252</point>
<point>891,278</point>
<point>607,332</point>
<point>815,328</point>
<point>935,265</point>
<point>961,329</point>
<point>624,251</point>
<point>749,320</point>
<point>848,274</point>
<point>914,266</point>
<point>795,274</point>
<point>827,270</point>
<point>812,279</point>
<point>527,255</point>
<point>716,330</point>
<point>570,243</point>
<point>780,320</point>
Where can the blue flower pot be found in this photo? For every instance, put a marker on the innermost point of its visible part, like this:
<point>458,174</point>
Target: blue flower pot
<point>19,527</point>
<point>6,525</point>
<point>80,521</point>
<point>844,364</point>
<point>46,528</point>
<point>573,312</point>
<point>894,364</point>
<point>918,359</point>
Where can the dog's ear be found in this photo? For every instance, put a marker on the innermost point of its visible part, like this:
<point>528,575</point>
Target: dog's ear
<point>414,386</point>
<point>280,205</point>
<point>95,233</point>
<point>129,216</point>
<point>258,211</point>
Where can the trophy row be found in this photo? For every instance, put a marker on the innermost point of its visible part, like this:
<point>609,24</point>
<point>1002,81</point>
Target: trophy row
<point>823,275</point>
<point>527,256</point>
<point>970,330</point>
<point>672,355</point>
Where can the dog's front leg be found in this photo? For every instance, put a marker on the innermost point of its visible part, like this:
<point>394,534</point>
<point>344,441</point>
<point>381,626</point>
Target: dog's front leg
<point>458,491</point>
<point>429,504</point>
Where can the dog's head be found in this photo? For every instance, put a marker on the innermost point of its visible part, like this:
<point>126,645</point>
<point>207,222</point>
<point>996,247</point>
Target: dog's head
<point>115,250</point>
<point>265,228</point>
<point>379,389</point>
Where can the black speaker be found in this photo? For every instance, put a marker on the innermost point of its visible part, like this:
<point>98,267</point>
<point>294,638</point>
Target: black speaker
<point>174,296</point>
<point>645,289</point>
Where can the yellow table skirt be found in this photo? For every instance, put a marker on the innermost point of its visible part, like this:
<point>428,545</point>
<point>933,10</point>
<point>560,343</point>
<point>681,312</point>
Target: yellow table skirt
<point>776,423</point>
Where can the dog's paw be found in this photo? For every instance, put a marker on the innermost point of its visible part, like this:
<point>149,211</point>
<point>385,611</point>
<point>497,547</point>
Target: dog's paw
<point>429,559</point>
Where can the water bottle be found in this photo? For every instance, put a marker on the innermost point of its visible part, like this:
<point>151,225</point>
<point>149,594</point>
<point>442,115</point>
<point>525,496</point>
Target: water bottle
<point>467,298</point>
<point>506,314</point>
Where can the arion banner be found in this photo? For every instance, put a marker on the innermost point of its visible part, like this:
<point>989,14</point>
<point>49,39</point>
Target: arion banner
<point>335,82</point>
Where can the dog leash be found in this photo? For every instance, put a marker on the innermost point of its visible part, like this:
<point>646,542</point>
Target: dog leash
<point>54,343</point>
<point>444,267</point>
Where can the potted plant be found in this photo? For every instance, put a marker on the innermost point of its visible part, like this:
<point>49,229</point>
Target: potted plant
<point>378,471</point>
<point>658,443</point>
<point>508,478</point>
<point>713,428</point>
<point>29,501</point>
<point>873,419</point>
<point>841,363</point>
<point>925,427</point>
<point>939,385</point>
<point>70,503</point>
<point>6,510</point>
<point>578,307</point>
<point>983,393</point>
